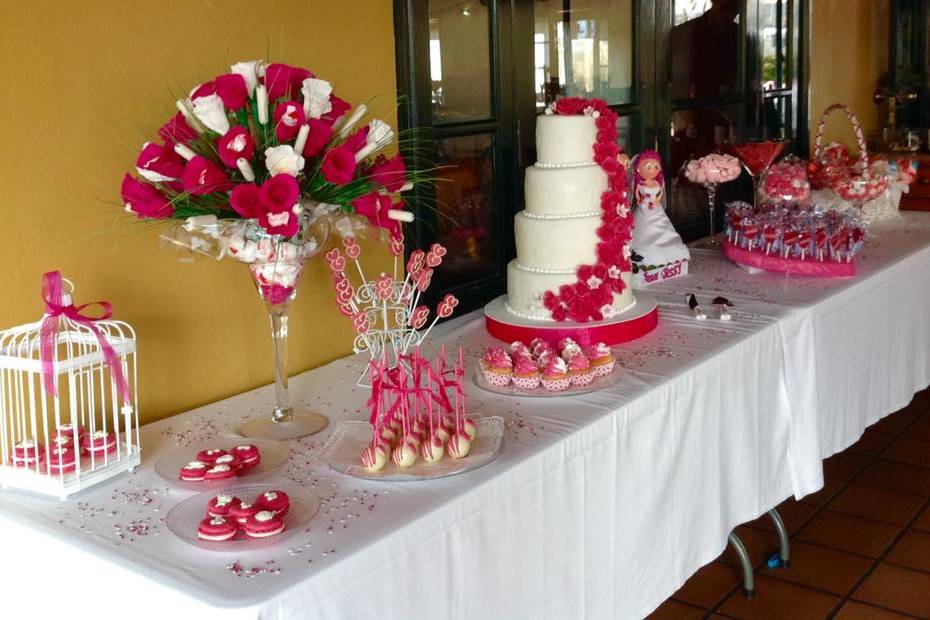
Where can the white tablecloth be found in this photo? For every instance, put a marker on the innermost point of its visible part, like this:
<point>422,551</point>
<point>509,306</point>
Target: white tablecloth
<point>600,505</point>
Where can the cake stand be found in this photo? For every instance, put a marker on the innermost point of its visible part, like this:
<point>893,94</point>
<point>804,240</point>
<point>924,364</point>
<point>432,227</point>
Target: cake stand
<point>626,326</point>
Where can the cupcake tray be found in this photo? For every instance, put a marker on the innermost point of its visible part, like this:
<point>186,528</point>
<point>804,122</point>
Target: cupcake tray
<point>599,383</point>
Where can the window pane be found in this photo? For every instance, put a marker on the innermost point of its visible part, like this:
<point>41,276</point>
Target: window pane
<point>588,49</point>
<point>460,66</point>
<point>705,49</point>
<point>774,35</point>
<point>464,195</point>
<point>777,112</point>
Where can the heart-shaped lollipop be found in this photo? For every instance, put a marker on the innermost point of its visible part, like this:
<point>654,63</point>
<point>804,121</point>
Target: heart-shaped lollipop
<point>419,317</point>
<point>423,279</point>
<point>397,244</point>
<point>352,248</point>
<point>383,286</point>
<point>360,322</point>
<point>446,306</point>
<point>415,262</point>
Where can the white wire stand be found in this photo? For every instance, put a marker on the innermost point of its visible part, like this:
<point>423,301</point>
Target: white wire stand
<point>87,398</point>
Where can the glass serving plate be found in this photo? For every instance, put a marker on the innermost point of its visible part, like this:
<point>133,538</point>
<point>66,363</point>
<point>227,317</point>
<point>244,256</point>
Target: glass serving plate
<point>183,519</point>
<point>168,465</point>
<point>344,449</point>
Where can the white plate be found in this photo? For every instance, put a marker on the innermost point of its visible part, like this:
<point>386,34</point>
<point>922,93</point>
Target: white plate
<point>183,519</point>
<point>599,383</point>
<point>169,465</point>
<point>343,453</point>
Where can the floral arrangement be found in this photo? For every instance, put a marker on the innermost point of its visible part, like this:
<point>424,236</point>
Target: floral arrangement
<point>266,143</point>
<point>593,291</point>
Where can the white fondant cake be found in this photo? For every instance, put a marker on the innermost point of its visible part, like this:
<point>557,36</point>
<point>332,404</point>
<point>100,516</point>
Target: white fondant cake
<point>557,232</point>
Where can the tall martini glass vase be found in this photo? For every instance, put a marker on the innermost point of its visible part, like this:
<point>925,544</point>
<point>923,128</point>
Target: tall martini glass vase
<point>712,205</point>
<point>756,158</point>
<point>277,271</point>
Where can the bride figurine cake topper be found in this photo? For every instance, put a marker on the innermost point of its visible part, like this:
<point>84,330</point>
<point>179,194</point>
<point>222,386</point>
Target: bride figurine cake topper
<point>660,252</point>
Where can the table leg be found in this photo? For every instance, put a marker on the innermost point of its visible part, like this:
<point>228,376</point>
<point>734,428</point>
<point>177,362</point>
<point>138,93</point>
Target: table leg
<point>749,584</point>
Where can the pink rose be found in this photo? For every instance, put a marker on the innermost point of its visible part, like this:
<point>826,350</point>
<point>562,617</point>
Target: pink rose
<point>144,200</point>
<point>391,174</point>
<point>288,117</point>
<point>235,143</point>
<point>177,130</point>
<point>339,165</point>
<point>202,176</point>
<point>160,160</point>
<point>339,108</point>
<point>279,193</point>
<point>232,90</point>
<point>284,81</point>
<point>320,134</point>
<point>246,200</point>
<point>358,139</point>
<point>374,207</point>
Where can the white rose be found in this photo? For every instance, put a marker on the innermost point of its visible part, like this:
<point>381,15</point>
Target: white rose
<point>316,97</point>
<point>209,110</point>
<point>283,160</point>
<point>250,70</point>
<point>379,135</point>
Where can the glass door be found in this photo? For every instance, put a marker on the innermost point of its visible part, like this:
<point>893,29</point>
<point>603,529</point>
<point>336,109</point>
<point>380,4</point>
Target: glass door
<point>726,72</point>
<point>451,57</point>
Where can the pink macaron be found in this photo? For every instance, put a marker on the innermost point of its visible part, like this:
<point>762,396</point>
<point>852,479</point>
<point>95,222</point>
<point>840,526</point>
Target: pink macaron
<point>248,454</point>
<point>62,460</point>
<point>98,443</point>
<point>276,501</point>
<point>27,453</point>
<point>216,529</point>
<point>263,524</point>
<point>220,505</point>
<point>209,455</point>
<point>193,471</point>
<point>219,472</point>
<point>242,511</point>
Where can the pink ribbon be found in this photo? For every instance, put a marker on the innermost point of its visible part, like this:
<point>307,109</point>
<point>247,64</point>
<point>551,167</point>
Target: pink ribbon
<point>48,334</point>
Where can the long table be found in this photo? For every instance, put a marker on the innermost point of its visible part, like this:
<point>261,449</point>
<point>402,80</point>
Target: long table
<point>600,505</point>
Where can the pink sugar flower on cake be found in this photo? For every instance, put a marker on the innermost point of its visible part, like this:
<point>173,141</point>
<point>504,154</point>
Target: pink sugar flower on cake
<point>579,369</point>
<point>525,373</point>
<point>555,375</point>
<point>602,360</point>
<point>497,367</point>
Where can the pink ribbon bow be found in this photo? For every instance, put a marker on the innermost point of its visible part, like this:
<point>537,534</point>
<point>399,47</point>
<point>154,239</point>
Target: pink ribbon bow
<point>48,334</point>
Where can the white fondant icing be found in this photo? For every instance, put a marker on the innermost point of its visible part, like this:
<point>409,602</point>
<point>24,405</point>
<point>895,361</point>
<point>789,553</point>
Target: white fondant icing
<point>264,515</point>
<point>565,139</point>
<point>565,244</point>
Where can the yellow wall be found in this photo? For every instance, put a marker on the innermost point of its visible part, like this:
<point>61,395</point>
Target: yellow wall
<point>848,55</point>
<point>84,84</point>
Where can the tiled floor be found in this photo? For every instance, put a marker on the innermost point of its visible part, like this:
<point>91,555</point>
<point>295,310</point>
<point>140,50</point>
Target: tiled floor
<point>860,548</point>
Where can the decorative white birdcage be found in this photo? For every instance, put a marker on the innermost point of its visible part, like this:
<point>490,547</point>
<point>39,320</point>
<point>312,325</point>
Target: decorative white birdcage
<point>68,399</point>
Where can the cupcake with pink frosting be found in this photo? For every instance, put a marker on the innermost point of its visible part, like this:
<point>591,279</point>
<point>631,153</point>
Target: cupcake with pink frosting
<point>497,367</point>
<point>525,373</point>
<point>579,369</point>
<point>602,360</point>
<point>555,375</point>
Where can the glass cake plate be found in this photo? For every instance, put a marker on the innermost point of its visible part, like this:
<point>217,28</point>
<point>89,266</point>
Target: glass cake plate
<point>599,383</point>
<point>169,465</point>
<point>183,519</point>
<point>344,449</point>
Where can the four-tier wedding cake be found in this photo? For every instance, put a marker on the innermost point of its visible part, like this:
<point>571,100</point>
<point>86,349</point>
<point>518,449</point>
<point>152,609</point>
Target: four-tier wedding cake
<point>573,238</point>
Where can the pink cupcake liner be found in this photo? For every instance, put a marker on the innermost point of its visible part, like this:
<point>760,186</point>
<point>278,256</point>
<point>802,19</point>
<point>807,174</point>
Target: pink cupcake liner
<point>556,385</point>
<point>602,369</point>
<point>582,378</point>
<point>497,379</point>
<point>530,382</point>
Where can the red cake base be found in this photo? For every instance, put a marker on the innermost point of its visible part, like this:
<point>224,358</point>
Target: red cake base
<point>770,262</point>
<point>632,324</point>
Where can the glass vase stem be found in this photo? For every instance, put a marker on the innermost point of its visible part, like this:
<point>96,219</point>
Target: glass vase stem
<point>282,404</point>
<point>712,203</point>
